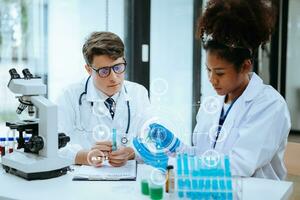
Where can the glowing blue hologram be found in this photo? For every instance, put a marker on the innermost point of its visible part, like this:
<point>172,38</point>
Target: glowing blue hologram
<point>163,138</point>
<point>158,143</point>
<point>157,160</point>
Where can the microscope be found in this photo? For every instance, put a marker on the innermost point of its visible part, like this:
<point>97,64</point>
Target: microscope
<point>38,157</point>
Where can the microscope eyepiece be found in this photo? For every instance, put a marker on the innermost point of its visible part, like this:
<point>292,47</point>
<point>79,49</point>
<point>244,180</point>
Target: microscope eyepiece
<point>13,73</point>
<point>27,73</point>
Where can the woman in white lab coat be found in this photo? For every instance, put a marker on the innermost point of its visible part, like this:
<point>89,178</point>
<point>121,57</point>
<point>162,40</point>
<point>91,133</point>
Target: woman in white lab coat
<point>90,109</point>
<point>248,120</point>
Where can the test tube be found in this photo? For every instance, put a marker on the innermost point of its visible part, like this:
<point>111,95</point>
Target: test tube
<point>227,166</point>
<point>192,165</point>
<point>185,164</point>
<point>199,166</point>
<point>179,165</point>
<point>10,144</point>
<point>2,146</point>
<point>114,139</point>
<point>145,187</point>
<point>156,191</point>
<point>10,140</point>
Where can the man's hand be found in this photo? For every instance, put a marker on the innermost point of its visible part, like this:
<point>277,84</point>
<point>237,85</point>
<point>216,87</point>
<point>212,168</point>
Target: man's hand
<point>104,149</point>
<point>93,157</point>
<point>103,146</point>
<point>119,158</point>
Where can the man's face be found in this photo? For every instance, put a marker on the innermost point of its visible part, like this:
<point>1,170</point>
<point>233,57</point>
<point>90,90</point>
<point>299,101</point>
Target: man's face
<point>110,84</point>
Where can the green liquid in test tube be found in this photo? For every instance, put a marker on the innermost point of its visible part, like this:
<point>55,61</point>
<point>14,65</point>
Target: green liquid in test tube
<point>145,187</point>
<point>156,192</point>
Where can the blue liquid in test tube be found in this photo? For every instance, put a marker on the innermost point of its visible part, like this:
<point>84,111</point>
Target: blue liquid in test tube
<point>227,166</point>
<point>179,165</point>
<point>192,166</point>
<point>185,164</point>
<point>199,165</point>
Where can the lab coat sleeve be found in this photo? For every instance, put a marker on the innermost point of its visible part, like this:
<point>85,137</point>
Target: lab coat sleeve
<point>265,127</point>
<point>143,115</point>
<point>66,124</point>
<point>145,102</point>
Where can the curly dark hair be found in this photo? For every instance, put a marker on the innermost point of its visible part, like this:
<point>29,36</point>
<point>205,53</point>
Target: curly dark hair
<point>234,29</point>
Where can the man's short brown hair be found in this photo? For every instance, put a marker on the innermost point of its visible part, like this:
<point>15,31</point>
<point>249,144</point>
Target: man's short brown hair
<point>102,43</point>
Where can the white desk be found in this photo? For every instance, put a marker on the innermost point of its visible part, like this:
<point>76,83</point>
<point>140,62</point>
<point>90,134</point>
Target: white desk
<point>63,187</point>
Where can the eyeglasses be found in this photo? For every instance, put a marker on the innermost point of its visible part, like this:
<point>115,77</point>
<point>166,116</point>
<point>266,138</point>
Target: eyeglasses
<point>105,71</point>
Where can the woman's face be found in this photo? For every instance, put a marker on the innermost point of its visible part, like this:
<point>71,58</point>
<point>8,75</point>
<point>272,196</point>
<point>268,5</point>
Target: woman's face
<point>223,76</point>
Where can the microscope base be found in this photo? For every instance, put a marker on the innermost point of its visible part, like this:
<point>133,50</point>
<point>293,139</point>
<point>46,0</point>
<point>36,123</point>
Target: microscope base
<point>32,166</point>
<point>36,175</point>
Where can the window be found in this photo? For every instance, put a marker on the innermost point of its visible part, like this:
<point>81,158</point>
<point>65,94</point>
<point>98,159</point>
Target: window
<point>171,63</point>
<point>47,37</point>
<point>70,23</point>
<point>293,60</point>
<point>22,45</point>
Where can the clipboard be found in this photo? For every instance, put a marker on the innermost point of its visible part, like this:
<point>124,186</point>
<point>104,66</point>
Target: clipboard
<point>128,172</point>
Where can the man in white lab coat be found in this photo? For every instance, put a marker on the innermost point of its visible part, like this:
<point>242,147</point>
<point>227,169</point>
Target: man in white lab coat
<point>249,121</point>
<point>90,110</point>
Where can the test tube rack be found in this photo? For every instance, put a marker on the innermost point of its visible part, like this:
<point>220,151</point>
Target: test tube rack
<point>199,177</point>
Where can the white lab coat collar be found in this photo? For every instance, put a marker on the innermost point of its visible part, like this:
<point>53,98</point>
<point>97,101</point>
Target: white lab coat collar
<point>96,95</point>
<point>254,87</point>
<point>252,90</point>
<point>103,96</point>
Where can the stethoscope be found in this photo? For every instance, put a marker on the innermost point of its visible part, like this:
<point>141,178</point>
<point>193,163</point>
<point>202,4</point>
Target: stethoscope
<point>124,139</point>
